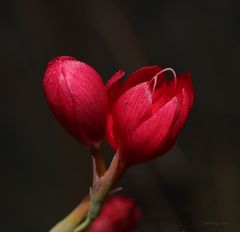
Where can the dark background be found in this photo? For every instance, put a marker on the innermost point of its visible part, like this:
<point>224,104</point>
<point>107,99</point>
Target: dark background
<point>45,172</point>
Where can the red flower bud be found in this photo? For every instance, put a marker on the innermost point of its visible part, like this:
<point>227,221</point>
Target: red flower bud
<point>118,214</point>
<point>77,98</point>
<point>147,112</point>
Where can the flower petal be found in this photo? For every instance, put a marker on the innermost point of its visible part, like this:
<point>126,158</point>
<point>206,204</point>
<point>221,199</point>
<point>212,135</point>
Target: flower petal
<point>141,75</point>
<point>163,93</point>
<point>132,108</point>
<point>184,81</point>
<point>150,139</point>
<point>185,95</point>
<point>59,97</point>
<point>184,110</point>
<point>89,97</point>
<point>111,132</point>
<point>114,87</point>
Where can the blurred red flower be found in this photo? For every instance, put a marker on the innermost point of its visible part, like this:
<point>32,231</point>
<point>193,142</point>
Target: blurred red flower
<point>118,214</point>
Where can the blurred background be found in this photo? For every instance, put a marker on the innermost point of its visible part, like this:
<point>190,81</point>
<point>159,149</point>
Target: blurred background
<point>45,172</point>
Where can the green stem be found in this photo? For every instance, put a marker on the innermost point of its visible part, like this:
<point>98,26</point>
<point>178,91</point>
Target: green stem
<point>74,218</point>
<point>97,155</point>
<point>83,226</point>
<point>79,213</point>
<point>101,189</point>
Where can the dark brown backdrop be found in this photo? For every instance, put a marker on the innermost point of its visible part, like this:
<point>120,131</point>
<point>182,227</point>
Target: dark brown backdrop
<point>44,171</point>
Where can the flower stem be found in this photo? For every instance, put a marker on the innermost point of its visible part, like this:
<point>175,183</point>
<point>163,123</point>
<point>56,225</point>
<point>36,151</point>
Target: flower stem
<point>83,226</point>
<point>100,190</point>
<point>74,218</point>
<point>79,213</point>
<point>99,161</point>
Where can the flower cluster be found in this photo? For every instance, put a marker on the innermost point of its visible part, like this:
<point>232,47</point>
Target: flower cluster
<point>140,118</point>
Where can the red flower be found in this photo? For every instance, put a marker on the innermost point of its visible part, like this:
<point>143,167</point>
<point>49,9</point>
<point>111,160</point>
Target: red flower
<point>147,112</point>
<point>118,214</point>
<point>77,97</point>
